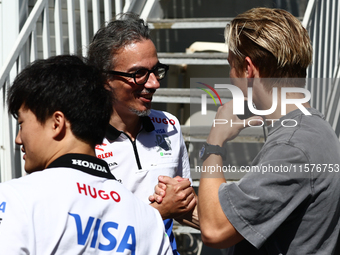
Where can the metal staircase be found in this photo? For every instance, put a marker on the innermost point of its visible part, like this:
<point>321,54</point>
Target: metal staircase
<point>188,36</point>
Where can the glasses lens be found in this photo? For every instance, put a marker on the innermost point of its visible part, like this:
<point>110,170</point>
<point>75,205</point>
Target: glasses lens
<point>160,73</point>
<point>141,76</point>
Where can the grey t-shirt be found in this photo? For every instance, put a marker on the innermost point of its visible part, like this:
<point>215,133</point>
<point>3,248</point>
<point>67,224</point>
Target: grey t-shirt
<point>293,208</point>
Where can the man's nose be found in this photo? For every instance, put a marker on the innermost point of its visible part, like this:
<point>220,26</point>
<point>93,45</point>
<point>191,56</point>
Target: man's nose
<point>18,138</point>
<point>152,82</point>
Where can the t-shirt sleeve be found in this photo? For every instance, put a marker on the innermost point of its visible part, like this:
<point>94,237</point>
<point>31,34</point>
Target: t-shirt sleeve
<point>263,199</point>
<point>15,236</point>
<point>151,224</point>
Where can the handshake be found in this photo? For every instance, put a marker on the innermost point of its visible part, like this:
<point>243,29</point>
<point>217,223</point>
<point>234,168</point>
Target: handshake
<point>175,198</point>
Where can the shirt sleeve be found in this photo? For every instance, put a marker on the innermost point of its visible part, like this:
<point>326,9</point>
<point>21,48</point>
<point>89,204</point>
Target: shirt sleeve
<point>15,235</point>
<point>157,241</point>
<point>263,199</point>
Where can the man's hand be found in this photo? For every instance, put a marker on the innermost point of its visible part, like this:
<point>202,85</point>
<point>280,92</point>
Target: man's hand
<point>173,197</point>
<point>221,133</point>
<point>160,188</point>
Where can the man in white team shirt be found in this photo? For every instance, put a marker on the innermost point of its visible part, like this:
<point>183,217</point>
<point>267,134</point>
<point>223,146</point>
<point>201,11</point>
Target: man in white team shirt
<point>70,203</point>
<point>141,144</point>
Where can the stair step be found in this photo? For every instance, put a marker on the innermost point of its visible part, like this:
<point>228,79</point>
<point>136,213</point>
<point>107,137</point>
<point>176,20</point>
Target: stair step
<point>193,58</point>
<point>188,23</point>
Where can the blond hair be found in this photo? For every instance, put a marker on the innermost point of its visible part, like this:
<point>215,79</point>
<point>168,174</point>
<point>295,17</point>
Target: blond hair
<point>275,41</point>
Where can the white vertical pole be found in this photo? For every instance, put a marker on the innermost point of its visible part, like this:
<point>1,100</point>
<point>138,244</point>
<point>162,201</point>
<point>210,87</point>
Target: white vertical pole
<point>95,15</point>
<point>337,44</point>
<point>326,56</point>
<point>9,26</point>
<point>308,13</point>
<point>147,9</point>
<point>128,4</point>
<point>46,32</point>
<point>320,52</point>
<point>326,28</point>
<point>313,26</point>
<point>9,30</point>
<point>34,49</point>
<point>118,6</point>
<point>204,104</point>
<point>58,24</point>
<point>332,40</point>
<point>108,10</point>
<point>72,36</point>
<point>84,26</point>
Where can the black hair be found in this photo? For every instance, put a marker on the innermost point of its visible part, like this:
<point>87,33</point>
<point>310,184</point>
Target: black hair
<point>66,84</point>
<point>114,36</point>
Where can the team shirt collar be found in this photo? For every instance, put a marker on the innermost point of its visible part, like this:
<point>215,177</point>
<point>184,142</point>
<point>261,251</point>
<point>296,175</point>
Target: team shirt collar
<point>85,163</point>
<point>112,133</point>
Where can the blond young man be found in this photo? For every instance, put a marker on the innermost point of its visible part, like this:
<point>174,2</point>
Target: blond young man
<point>276,212</point>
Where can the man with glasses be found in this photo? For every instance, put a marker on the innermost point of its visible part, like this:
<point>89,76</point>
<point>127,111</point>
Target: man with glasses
<point>141,144</point>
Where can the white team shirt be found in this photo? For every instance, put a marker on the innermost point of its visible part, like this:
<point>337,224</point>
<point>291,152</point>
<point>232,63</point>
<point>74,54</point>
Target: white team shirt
<point>158,149</point>
<point>66,210</point>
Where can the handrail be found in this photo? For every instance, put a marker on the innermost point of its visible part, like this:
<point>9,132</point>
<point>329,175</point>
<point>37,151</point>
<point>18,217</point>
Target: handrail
<point>21,40</point>
<point>147,9</point>
<point>337,72</point>
<point>308,13</point>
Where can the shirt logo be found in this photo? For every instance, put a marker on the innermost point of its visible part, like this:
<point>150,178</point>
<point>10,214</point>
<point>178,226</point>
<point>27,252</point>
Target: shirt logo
<point>160,131</point>
<point>91,228</point>
<point>163,120</point>
<point>89,165</point>
<point>98,147</point>
<point>105,155</point>
<point>101,193</point>
<point>113,164</point>
<point>163,142</point>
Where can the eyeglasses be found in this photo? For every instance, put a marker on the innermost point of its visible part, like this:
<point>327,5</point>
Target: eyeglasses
<point>141,76</point>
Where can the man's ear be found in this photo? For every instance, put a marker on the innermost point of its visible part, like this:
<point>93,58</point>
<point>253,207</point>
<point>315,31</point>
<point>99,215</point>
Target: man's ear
<point>251,70</point>
<point>59,125</point>
<point>107,85</point>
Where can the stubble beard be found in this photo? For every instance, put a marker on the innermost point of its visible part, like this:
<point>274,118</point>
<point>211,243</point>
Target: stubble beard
<point>141,113</point>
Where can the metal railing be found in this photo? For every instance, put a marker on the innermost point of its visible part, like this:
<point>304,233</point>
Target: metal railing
<point>66,39</point>
<point>322,20</point>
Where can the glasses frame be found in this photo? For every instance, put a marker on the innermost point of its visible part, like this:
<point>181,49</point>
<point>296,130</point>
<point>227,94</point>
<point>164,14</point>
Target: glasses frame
<point>133,75</point>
